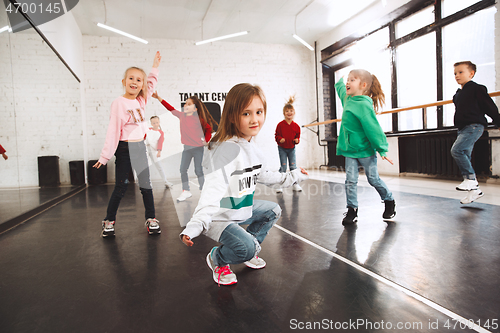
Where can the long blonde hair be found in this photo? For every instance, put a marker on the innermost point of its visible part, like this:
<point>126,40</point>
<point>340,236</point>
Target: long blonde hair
<point>144,90</point>
<point>237,99</point>
<point>373,87</point>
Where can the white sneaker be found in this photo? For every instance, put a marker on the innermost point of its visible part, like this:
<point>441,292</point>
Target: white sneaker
<point>168,184</point>
<point>184,195</point>
<point>108,229</point>
<point>279,190</point>
<point>255,263</point>
<point>222,275</point>
<point>467,185</point>
<point>153,226</point>
<point>472,196</point>
<point>297,188</point>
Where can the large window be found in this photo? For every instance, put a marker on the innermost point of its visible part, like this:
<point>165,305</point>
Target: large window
<point>416,68</point>
<point>373,55</point>
<point>414,63</point>
<point>471,38</point>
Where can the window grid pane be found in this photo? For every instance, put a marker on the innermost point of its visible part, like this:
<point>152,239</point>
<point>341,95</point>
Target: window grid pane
<point>416,70</point>
<point>471,38</point>
<point>415,21</point>
<point>449,7</point>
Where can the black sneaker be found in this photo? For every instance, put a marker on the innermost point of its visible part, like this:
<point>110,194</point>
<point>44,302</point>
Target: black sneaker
<point>153,226</point>
<point>351,216</point>
<point>108,228</point>
<point>390,209</point>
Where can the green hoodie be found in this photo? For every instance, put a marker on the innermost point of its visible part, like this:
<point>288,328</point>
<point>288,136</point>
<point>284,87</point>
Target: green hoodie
<point>360,132</point>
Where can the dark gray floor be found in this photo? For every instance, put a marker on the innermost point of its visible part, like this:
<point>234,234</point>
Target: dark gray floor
<point>58,275</point>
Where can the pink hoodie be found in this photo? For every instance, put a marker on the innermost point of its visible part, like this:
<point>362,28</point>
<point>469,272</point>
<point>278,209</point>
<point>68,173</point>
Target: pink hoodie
<point>127,121</point>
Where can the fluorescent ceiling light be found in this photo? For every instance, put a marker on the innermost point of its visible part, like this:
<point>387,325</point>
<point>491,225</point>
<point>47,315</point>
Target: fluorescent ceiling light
<point>221,37</point>
<point>5,29</point>
<point>303,42</point>
<point>122,33</point>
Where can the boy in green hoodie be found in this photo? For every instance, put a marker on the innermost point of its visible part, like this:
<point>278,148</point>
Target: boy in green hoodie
<point>360,138</point>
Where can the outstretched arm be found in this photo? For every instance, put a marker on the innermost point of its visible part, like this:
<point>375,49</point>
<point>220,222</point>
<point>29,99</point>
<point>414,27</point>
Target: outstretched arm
<point>157,60</point>
<point>166,105</point>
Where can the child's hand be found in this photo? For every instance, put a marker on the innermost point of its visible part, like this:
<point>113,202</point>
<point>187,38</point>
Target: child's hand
<point>155,95</point>
<point>296,141</point>
<point>387,159</point>
<point>282,140</point>
<point>159,153</point>
<point>304,171</point>
<point>97,165</point>
<point>157,60</point>
<point>186,240</point>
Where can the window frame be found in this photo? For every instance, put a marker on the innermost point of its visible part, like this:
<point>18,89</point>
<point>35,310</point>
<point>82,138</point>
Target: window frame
<point>390,21</point>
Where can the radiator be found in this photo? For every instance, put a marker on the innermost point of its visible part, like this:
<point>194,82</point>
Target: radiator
<point>430,154</point>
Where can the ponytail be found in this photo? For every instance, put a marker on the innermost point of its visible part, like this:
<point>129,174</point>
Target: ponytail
<point>376,94</point>
<point>289,104</point>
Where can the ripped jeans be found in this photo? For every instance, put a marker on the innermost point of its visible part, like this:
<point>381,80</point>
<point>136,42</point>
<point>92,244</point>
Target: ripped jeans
<point>240,245</point>
<point>287,153</point>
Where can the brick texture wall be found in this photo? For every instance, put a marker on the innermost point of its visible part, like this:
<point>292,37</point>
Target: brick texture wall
<point>280,70</point>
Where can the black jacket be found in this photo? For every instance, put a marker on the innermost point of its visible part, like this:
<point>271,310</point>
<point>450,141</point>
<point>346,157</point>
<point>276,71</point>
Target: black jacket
<point>472,102</point>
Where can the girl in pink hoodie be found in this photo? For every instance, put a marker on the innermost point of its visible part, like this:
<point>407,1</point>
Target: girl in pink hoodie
<point>125,139</point>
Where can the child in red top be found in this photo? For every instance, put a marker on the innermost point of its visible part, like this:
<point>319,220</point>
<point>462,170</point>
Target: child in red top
<point>195,133</point>
<point>3,152</point>
<point>287,136</point>
<point>125,139</point>
<point>154,144</point>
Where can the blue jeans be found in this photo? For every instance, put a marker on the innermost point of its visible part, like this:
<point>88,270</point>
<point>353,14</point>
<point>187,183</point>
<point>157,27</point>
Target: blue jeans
<point>461,150</point>
<point>240,245</point>
<point>189,153</point>
<point>352,174</point>
<point>287,153</point>
<point>131,155</point>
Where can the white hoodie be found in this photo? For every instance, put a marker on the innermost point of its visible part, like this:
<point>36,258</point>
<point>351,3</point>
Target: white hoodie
<point>232,170</point>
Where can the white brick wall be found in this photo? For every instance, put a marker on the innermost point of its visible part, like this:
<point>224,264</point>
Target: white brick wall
<point>42,115</point>
<point>280,70</point>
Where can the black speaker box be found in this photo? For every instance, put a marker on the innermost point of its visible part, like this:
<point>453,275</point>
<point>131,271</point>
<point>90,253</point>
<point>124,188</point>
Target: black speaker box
<point>97,176</point>
<point>48,171</point>
<point>76,172</point>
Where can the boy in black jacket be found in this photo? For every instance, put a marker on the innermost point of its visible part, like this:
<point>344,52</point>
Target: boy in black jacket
<point>472,102</point>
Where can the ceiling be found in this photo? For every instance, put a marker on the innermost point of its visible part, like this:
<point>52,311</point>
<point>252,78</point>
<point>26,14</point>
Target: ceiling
<point>268,21</point>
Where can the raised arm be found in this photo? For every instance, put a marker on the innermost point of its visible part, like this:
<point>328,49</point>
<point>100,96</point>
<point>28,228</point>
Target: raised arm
<point>341,91</point>
<point>166,105</point>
